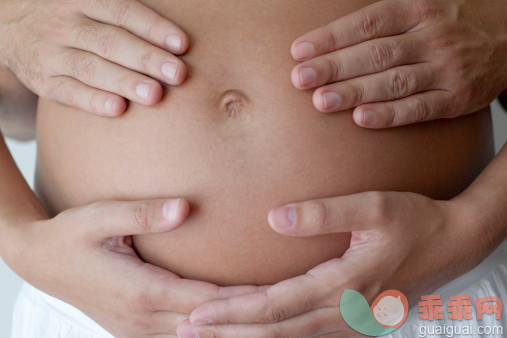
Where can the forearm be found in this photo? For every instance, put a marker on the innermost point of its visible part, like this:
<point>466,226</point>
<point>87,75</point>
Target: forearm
<point>484,207</point>
<point>18,203</point>
<point>17,107</point>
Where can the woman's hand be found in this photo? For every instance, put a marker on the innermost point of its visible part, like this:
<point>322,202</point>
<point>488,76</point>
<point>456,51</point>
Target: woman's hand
<point>91,54</point>
<point>401,241</point>
<point>399,62</point>
<point>85,257</point>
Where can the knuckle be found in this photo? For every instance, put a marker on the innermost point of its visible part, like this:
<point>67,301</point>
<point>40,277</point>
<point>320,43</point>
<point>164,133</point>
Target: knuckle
<point>457,60</point>
<point>334,68</point>
<point>427,8</point>
<point>443,41</point>
<point>419,109</point>
<point>391,116</point>
<point>54,91</point>
<point>145,60</point>
<point>58,27</point>
<point>68,97</point>
<point>124,84</point>
<point>108,42</point>
<point>142,215</point>
<point>154,23</point>
<point>120,12</point>
<point>37,81</point>
<point>380,56</point>
<point>332,39</point>
<point>271,314</point>
<point>399,84</point>
<point>466,93</point>
<point>83,67</point>
<point>87,32</point>
<point>369,26</point>
<point>357,94</point>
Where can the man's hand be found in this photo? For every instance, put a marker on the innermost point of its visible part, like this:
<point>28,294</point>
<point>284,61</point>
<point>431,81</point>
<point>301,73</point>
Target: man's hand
<point>91,54</point>
<point>401,241</point>
<point>399,62</point>
<point>84,256</point>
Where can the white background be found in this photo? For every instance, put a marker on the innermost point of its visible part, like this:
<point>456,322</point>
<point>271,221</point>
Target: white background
<point>24,155</point>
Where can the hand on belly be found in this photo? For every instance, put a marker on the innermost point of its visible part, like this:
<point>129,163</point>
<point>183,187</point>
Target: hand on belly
<point>237,140</point>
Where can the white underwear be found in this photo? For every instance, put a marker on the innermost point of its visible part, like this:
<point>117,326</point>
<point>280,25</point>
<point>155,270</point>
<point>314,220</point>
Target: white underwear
<point>38,315</point>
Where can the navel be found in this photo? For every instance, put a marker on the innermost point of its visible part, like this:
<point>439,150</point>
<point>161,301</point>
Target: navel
<point>234,102</point>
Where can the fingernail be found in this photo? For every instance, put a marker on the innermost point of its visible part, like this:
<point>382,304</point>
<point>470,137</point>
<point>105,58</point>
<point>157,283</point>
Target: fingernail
<point>303,50</point>
<point>283,217</point>
<point>169,70</point>
<point>331,100</point>
<point>170,209</point>
<point>173,42</point>
<point>109,106</point>
<point>143,90</point>
<point>307,76</point>
<point>369,116</point>
<point>187,332</point>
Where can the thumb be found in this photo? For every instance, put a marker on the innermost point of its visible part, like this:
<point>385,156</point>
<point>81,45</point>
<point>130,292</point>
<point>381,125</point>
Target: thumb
<point>119,218</point>
<point>355,212</point>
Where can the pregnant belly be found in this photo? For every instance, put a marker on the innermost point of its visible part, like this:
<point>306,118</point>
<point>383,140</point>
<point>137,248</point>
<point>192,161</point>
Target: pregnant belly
<point>236,139</point>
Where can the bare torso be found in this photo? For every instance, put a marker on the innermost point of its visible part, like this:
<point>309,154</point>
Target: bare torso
<point>237,139</point>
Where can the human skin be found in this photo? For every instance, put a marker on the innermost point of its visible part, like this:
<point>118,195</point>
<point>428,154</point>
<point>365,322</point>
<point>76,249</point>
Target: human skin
<point>404,241</point>
<point>335,207</point>
<point>237,139</point>
<point>398,62</point>
<point>17,107</point>
<point>91,54</point>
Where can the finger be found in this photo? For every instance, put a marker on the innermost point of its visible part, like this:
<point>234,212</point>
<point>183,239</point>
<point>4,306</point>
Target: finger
<point>99,73</point>
<point>123,48</point>
<point>331,215</point>
<point>362,59</point>
<point>139,20</point>
<point>113,218</point>
<point>310,324</point>
<point>71,92</point>
<point>426,106</point>
<point>281,301</point>
<point>384,18</point>
<point>391,84</point>
<point>184,295</point>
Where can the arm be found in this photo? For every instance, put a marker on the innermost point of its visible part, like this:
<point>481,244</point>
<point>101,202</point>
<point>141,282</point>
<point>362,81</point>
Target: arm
<point>402,241</point>
<point>17,107</point>
<point>84,255</point>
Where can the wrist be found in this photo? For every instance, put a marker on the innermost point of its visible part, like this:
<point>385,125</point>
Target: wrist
<point>479,222</point>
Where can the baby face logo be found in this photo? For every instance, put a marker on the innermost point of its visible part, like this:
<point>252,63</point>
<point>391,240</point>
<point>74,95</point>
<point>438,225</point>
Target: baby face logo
<point>390,308</point>
<point>388,312</point>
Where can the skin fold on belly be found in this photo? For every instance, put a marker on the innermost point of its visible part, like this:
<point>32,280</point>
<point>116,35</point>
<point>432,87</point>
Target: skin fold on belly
<point>237,139</point>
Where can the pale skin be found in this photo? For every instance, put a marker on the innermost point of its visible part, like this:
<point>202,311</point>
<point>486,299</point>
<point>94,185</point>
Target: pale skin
<point>445,216</point>
<point>92,55</point>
